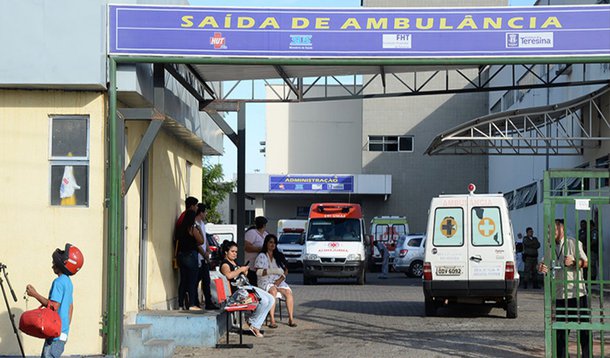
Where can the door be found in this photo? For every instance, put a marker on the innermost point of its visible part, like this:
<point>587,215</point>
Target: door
<point>487,249</point>
<point>448,251</point>
<point>580,200</point>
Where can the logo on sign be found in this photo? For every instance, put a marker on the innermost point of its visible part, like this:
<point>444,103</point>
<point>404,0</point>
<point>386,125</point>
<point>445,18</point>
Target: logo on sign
<point>529,40</point>
<point>218,41</point>
<point>512,40</point>
<point>397,40</point>
<point>301,42</point>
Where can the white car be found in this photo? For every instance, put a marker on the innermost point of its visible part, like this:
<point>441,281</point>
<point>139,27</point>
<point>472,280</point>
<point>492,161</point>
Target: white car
<point>409,255</point>
<point>291,245</point>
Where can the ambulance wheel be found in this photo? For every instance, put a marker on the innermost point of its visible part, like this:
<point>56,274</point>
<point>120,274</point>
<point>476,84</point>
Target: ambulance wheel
<point>430,307</point>
<point>361,279</point>
<point>511,307</point>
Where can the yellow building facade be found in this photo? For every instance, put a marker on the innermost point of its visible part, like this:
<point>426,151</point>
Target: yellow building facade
<point>34,223</point>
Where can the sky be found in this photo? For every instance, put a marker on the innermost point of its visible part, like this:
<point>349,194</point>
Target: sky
<point>255,112</point>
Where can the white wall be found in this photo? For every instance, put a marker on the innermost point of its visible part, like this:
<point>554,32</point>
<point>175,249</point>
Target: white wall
<point>314,138</point>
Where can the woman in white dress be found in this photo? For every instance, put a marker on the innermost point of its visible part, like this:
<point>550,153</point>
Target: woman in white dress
<point>271,269</point>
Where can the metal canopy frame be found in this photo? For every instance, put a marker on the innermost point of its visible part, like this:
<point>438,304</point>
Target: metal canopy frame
<point>560,129</point>
<point>401,81</point>
<point>188,71</point>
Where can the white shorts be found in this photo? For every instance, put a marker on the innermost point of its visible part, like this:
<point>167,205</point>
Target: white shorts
<point>282,285</point>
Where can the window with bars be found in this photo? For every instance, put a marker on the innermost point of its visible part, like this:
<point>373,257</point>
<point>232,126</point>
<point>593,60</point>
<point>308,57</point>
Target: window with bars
<point>69,160</point>
<point>390,143</point>
<point>510,199</point>
<point>526,196</point>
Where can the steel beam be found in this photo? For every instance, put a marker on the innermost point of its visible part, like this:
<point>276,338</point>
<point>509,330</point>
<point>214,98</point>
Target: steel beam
<point>113,315</point>
<point>213,107</point>
<point>141,152</point>
<point>280,70</point>
<point>241,183</point>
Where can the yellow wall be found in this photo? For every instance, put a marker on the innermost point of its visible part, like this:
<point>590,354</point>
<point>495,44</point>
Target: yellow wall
<point>32,228</point>
<point>167,191</point>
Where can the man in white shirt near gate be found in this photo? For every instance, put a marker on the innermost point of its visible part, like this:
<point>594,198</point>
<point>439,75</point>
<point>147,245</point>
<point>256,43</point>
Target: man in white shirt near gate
<point>571,298</point>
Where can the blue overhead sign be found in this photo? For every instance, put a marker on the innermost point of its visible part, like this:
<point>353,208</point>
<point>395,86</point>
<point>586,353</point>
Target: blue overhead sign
<point>360,32</point>
<point>311,183</point>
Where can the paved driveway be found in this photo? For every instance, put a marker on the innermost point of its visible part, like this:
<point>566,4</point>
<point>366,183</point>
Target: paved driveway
<point>385,318</point>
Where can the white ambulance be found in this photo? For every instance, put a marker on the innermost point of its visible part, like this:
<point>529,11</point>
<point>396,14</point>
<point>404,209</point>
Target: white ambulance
<point>470,252</point>
<point>336,244</point>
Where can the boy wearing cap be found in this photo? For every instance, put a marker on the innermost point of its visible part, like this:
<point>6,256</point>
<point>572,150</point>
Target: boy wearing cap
<point>65,264</point>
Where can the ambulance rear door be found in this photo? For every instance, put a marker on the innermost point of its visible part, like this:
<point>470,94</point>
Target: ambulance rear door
<point>487,253</point>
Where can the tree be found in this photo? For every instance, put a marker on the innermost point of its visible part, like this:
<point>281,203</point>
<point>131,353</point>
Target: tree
<point>215,190</point>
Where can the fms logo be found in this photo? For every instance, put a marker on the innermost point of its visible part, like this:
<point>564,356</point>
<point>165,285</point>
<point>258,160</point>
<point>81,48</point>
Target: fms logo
<point>301,42</point>
<point>218,41</point>
<point>529,40</point>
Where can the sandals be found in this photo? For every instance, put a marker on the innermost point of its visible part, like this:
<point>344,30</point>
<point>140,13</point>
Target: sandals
<point>256,332</point>
<point>291,324</point>
<point>272,325</point>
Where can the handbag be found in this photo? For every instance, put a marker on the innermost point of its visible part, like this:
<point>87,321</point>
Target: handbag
<point>42,322</point>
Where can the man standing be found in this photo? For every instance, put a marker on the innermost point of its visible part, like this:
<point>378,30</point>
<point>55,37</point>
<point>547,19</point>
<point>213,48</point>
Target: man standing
<point>571,297</point>
<point>530,258</point>
<point>385,258</point>
<point>204,259</point>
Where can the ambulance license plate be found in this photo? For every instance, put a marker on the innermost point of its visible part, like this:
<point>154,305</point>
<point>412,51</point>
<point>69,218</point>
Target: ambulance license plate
<point>448,271</point>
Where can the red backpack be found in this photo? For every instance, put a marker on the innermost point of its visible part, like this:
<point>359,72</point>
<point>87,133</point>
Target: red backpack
<point>43,322</point>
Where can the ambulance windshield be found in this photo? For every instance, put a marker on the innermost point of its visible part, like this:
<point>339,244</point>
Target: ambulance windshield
<point>334,229</point>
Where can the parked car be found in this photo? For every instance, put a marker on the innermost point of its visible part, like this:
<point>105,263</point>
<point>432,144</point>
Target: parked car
<point>409,258</point>
<point>291,245</point>
<point>214,250</point>
<point>291,239</point>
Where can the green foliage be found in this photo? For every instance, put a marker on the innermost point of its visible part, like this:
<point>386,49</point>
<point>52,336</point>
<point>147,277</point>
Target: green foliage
<point>215,190</point>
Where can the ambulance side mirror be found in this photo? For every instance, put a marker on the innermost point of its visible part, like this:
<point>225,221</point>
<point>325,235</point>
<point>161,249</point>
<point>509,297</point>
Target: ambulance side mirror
<point>369,240</point>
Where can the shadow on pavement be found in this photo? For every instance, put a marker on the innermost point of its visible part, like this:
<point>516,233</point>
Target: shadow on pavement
<point>443,341</point>
<point>404,308</point>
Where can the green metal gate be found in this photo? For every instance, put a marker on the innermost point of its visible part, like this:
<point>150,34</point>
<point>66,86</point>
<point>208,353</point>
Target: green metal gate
<point>580,198</point>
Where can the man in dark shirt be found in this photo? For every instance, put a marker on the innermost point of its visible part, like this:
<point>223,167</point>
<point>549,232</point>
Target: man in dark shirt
<point>530,258</point>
